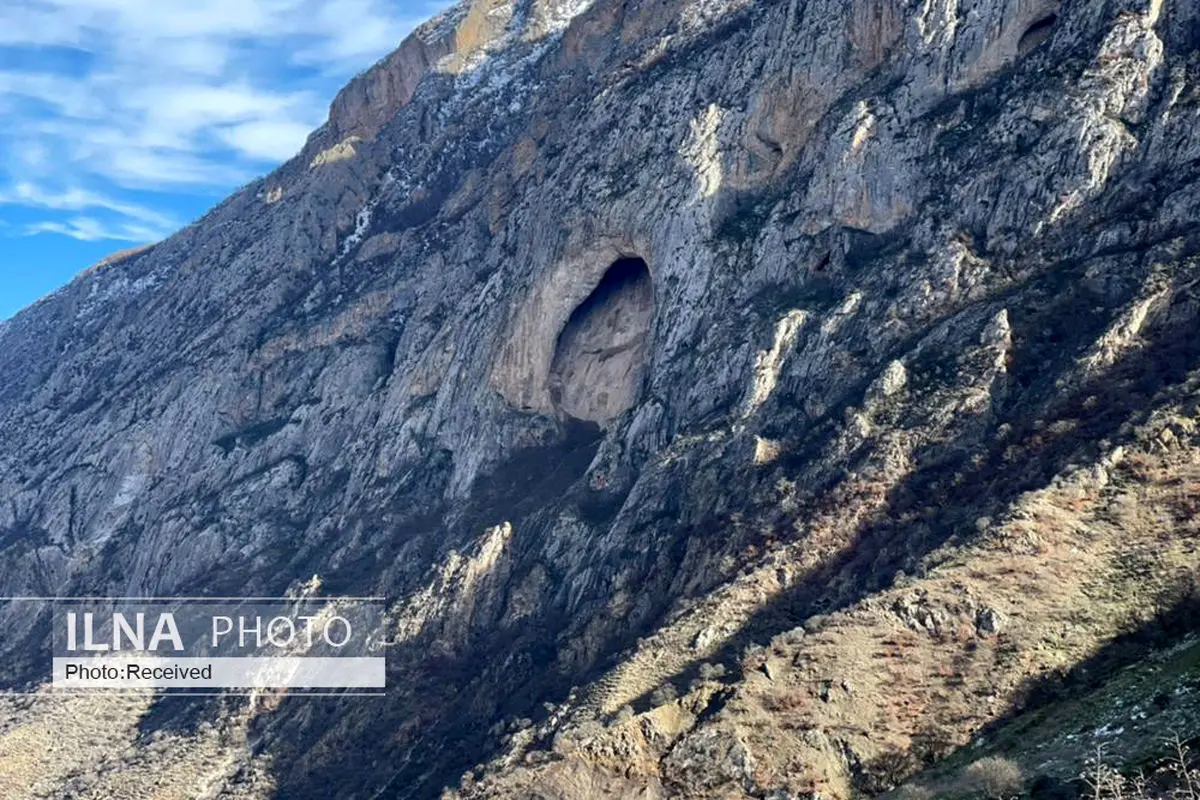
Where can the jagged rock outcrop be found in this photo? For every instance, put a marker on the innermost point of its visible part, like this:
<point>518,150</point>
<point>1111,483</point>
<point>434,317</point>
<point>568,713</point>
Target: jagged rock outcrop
<point>911,275</point>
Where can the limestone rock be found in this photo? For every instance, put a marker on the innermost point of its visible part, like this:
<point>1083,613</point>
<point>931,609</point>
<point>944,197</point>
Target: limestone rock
<point>611,339</point>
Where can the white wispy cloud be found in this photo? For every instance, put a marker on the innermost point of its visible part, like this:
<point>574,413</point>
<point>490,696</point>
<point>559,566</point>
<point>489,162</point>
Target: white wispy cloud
<point>263,139</point>
<point>127,221</point>
<point>89,229</point>
<point>105,97</point>
<point>27,194</point>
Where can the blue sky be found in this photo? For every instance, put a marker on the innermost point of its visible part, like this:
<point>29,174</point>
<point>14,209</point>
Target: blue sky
<point>126,119</point>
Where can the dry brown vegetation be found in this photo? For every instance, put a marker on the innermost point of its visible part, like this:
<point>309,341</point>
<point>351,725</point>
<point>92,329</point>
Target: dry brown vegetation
<point>99,747</point>
<point>995,623</point>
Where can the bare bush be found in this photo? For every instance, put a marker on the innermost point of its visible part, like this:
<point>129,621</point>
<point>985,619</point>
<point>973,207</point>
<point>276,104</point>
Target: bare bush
<point>663,695</point>
<point>912,791</point>
<point>991,778</point>
<point>1176,778</point>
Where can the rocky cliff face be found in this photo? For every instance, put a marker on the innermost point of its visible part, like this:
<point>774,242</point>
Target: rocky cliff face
<point>729,396</point>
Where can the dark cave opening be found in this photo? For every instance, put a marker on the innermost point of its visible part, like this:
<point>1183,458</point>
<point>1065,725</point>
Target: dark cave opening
<point>1038,33</point>
<point>600,355</point>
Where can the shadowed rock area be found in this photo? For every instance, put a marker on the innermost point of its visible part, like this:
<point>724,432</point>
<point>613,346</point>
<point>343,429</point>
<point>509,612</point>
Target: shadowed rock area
<point>731,400</point>
<point>600,357</point>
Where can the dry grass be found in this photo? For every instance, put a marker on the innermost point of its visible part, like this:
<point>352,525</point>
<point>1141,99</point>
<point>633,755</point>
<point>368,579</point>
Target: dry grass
<point>1067,570</point>
<point>90,747</point>
<point>861,698</point>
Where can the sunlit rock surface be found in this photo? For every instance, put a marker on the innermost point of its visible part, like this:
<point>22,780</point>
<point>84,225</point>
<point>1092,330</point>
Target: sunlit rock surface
<point>898,420</point>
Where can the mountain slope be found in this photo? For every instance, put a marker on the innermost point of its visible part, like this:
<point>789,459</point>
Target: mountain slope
<point>741,348</point>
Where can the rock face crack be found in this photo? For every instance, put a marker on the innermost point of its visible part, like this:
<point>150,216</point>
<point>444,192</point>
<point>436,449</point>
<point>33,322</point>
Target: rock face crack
<point>600,358</point>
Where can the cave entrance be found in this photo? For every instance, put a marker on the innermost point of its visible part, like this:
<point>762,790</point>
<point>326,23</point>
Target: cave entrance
<point>1038,32</point>
<point>600,357</point>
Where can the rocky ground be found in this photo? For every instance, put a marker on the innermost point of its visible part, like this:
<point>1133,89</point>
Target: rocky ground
<point>877,457</point>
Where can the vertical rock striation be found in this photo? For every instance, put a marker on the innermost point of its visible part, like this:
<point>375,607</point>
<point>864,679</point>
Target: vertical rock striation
<point>847,287</point>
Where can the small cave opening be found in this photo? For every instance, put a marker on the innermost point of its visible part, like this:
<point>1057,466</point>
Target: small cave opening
<point>600,356</point>
<point>1037,33</point>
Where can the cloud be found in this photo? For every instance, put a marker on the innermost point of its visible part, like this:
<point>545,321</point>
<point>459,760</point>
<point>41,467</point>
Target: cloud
<point>125,220</point>
<point>107,97</point>
<point>55,93</point>
<point>266,140</point>
<point>89,229</point>
<point>139,167</point>
<point>347,41</point>
<point>27,194</point>
<point>32,156</point>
